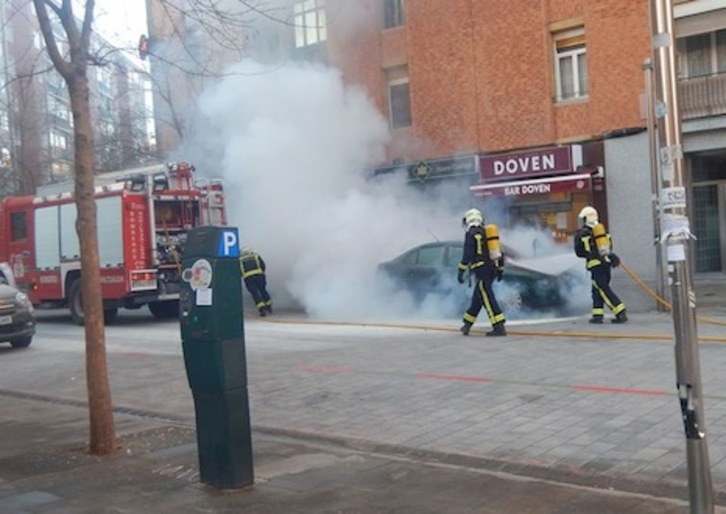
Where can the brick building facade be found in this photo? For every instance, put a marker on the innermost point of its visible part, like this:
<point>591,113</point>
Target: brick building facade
<point>538,106</point>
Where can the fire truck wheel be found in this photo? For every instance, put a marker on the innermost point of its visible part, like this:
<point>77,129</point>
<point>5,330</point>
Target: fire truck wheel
<point>110,315</point>
<point>165,310</point>
<point>75,302</point>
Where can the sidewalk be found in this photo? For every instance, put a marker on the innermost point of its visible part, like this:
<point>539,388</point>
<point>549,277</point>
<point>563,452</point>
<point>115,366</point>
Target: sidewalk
<point>360,418</point>
<point>155,471</point>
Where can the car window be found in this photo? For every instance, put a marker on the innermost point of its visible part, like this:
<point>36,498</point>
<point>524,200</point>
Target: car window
<point>454,255</point>
<point>410,258</point>
<point>431,256</point>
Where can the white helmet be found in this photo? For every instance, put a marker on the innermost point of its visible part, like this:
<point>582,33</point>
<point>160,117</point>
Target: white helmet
<point>588,216</point>
<point>472,218</point>
<point>246,249</point>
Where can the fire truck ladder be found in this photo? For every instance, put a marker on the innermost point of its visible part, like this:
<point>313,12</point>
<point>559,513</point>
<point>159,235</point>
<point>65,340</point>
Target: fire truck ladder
<point>184,174</point>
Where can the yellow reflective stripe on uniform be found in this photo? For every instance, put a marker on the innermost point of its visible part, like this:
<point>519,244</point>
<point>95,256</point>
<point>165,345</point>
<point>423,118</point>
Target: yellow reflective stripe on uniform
<point>479,238</point>
<point>252,273</point>
<point>477,264</point>
<point>593,262</point>
<point>586,243</point>
<point>256,271</point>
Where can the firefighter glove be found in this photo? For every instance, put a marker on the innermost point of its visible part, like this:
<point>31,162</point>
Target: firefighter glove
<point>614,260</point>
<point>500,272</point>
<point>460,276</point>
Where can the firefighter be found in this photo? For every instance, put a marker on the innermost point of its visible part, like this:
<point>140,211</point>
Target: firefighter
<point>482,258</point>
<point>593,243</point>
<point>253,269</point>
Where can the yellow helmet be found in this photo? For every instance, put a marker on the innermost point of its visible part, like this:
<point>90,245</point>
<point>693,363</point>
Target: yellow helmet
<point>472,218</point>
<point>588,216</point>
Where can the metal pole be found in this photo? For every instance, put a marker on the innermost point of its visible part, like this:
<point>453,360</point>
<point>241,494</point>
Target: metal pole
<point>655,182</point>
<point>676,234</point>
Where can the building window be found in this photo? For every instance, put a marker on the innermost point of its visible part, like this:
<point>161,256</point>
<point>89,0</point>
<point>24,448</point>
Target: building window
<point>58,140</point>
<point>399,97</point>
<point>571,64</point>
<point>702,54</point>
<point>392,13</point>
<point>310,24</point>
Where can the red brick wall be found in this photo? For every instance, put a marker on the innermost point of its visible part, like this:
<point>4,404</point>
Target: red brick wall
<point>481,71</point>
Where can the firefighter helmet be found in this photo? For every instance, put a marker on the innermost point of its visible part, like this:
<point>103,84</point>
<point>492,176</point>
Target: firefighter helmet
<point>588,216</point>
<point>472,218</point>
<point>246,249</point>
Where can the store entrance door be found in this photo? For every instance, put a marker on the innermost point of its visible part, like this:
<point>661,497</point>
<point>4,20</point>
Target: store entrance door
<point>709,207</point>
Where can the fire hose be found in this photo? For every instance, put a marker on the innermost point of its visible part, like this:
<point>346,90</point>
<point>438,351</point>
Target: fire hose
<point>660,300</point>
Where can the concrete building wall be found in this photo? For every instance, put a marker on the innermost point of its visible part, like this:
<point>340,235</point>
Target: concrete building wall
<point>630,219</point>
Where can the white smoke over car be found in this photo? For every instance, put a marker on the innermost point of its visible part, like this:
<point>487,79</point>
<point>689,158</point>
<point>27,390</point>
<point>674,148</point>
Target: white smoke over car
<point>294,145</point>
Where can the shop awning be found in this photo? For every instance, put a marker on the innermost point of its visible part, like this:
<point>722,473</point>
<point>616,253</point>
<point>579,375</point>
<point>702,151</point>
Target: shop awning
<point>539,186</point>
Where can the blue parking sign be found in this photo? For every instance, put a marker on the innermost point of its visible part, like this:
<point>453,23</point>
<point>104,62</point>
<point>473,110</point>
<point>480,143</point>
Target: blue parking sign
<point>228,243</point>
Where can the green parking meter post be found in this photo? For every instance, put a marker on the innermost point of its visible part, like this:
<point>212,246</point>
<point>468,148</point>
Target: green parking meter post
<point>212,333</point>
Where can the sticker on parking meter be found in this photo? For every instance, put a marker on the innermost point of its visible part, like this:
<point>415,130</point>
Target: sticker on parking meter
<point>199,275</point>
<point>204,297</point>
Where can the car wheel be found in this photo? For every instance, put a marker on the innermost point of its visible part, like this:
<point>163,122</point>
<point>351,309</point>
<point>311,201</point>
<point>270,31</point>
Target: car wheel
<point>21,342</point>
<point>75,302</point>
<point>511,301</point>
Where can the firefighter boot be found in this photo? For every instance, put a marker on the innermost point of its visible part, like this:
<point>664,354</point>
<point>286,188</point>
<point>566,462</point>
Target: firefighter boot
<point>465,328</point>
<point>262,311</point>
<point>620,317</point>
<point>597,320</point>
<point>497,330</point>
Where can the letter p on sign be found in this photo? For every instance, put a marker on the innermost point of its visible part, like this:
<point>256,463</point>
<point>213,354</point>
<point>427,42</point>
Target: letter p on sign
<point>228,243</point>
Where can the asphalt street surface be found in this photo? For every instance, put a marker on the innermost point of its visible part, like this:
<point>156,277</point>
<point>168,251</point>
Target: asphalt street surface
<point>366,416</point>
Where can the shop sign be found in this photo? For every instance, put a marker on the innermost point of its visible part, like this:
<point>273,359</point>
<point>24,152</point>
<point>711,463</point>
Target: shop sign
<point>423,171</point>
<point>572,183</point>
<point>532,163</point>
<point>426,170</point>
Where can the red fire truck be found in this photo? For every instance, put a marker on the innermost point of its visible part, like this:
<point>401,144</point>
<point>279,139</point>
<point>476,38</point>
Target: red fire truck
<point>143,218</point>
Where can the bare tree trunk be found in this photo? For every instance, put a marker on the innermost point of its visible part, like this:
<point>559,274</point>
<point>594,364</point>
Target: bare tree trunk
<point>75,74</point>
<point>102,433</point>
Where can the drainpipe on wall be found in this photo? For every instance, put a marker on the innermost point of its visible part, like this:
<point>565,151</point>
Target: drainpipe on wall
<point>661,279</point>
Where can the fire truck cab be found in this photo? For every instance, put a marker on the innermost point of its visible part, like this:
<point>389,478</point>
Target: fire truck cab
<point>143,219</point>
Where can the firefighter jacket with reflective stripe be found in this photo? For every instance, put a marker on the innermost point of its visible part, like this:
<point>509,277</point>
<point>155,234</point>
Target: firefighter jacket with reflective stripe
<point>585,247</point>
<point>251,264</point>
<point>476,253</point>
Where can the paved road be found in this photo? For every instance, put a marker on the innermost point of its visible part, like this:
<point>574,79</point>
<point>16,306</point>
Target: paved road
<point>561,400</point>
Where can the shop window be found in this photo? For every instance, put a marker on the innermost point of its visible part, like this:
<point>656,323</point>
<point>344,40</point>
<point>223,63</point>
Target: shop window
<point>399,97</point>
<point>310,23</point>
<point>570,64</point>
<point>392,13</point>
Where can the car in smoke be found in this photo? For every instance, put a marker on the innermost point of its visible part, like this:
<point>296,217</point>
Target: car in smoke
<point>531,285</point>
<point>17,315</point>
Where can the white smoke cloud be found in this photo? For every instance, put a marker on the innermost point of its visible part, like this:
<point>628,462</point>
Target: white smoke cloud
<point>293,144</point>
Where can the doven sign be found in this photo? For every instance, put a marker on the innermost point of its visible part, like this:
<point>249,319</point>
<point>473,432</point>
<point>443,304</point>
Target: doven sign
<point>534,163</point>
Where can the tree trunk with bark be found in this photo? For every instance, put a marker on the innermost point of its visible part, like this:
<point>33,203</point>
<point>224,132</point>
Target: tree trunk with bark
<point>75,73</point>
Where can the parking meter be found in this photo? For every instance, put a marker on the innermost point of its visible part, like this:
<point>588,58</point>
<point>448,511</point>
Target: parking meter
<point>212,332</point>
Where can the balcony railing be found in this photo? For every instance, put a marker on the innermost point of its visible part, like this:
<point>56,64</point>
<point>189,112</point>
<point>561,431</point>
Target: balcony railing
<point>702,96</point>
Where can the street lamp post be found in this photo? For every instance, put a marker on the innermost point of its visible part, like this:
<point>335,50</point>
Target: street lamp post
<point>675,233</point>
